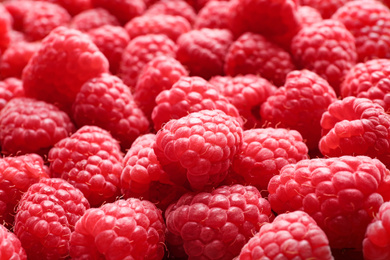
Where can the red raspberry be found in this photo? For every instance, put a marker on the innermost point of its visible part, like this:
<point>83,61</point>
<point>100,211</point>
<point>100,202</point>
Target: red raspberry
<point>18,10</point>
<point>246,93</point>
<point>9,89</point>
<point>173,7</point>
<point>326,8</point>
<point>93,18</point>
<point>356,126</point>
<point>5,28</point>
<point>215,15</point>
<point>72,6</point>
<point>46,216</point>
<point>125,229</point>
<point>216,224</point>
<point>369,80</point>
<point>326,48</point>
<point>123,10</point>
<point>203,51</point>
<point>91,160</point>
<point>31,126</point>
<point>299,105</point>
<point>196,150</point>
<point>157,75</point>
<point>187,95</point>
<point>139,52</point>
<point>170,25</point>
<point>106,102</point>
<point>67,58</point>
<point>253,54</point>
<point>265,151</point>
<point>308,15</point>
<point>341,194</point>
<point>10,246</point>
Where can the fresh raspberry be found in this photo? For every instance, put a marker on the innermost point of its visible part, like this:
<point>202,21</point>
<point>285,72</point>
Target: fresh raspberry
<point>159,74</point>
<point>123,10</point>
<point>341,194</point>
<point>10,246</point>
<point>299,105</point>
<point>91,160</point>
<point>139,52</point>
<point>31,126</point>
<point>170,25</point>
<point>196,150</point>
<point>264,151</point>
<point>246,93</point>
<point>187,95</point>
<point>125,229</point>
<point>173,7</point>
<point>5,28</point>
<point>356,126</point>
<point>215,15</point>
<point>66,59</point>
<point>326,48</point>
<point>92,19</point>
<point>203,51</point>
<point>106,102</point>
<point>72,6</point>
<point>308,15</point>
<point>10,88</point>
<point>326,8</point>
<point>46,216</point>
<point>371,80</point>
<point>18,10</point>
<point>216,224</point>
<point>251,53</point>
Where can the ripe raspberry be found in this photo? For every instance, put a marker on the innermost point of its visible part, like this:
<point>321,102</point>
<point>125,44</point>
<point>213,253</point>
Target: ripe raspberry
<point>159,74</point>
<point>46,216</point>
<point>55,73</point>
<point>171,7</point>
<point>10,246</point>
<point>203,51</point>
<point>196,150</point>
<point>246,93</point>
<point>18,10</point>
<point>106,102</point>
<point>253,54</point>
<point>170,25</point>
<point>308,15</point>
<point>187,95</point>
<point>125,229</point>
<point>341,194</point>
<point>123,10</point>
<point>326,8</point>
<point>91,160</point>
<point>215,15</point>
<point>31,126</point>
<point>299,105</point>
<point>10,88</point>
<point>5,28</point>
<point>72,6</point>
<point>92,19</point>
<point>216,224</point>
<point>356,126</point>
<point>326,48</point>
<point>139,52</point>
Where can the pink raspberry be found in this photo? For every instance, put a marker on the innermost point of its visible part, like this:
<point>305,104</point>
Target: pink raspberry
<point>173,7</point>
<point>299,105</point>
<point>253,54</point>
<point>91,160</point>
<point>246,93</point>
<point>187,95</point>
<point>196,150</point>
<point>216,224</point>
<point>72,6</point>
<point>92,19</point>
<point>123,10</point>
<point>341,194</point>
<point>46,216</point>
<point>31,126</point>
<point>308,15</point>
<point>10,246</point>
<point>66,59</point>
<point>5,28</point>
<point>10,88</point>
<point>215,15</point>
<point>125,229</point>
<point>326,8</point>
<point>293,235</point>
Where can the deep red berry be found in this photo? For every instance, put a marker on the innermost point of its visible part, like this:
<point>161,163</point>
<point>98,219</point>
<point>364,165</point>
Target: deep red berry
<point>123,10</point>
<point>10,246</point>
<point>170,7</point>
<point>5,28</point>
<point>10,88</point>
<point>92,19</point>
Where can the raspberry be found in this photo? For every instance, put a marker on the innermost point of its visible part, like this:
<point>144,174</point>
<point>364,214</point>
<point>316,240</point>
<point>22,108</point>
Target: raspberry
<point>170,25</point>
<point>159,74</point>
<point>216,224</point>
<point>125,229</point>
<point>308,15</point>
<point>90,159</point>
<point>106,102</point>
<point>246,93</point>
<point>18,10</point>
<point>253,54</point>
<point>264,151</point>
<point>5,28</point>
<point>369,23</point>
<point>139,52</point>
<point>215,15</point>
<point>293,235</point>
<point>326,48</point>
<point>46,216</point>
<point>369,80</point>
<point>299,105</point>
<point>31,126</point>
<point>341,194</point>
<point>356,126</point>
<point>10,246</point>
<point>196,150</point>
<point>10,88</point>
<point>203,51</point>
<point>326,8</point>
<point>187,95</point>
<point>123,10</point>
<point>66,59</point>
<point>173,7</point>
<point>92,19</point>
<point>72,6</point>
